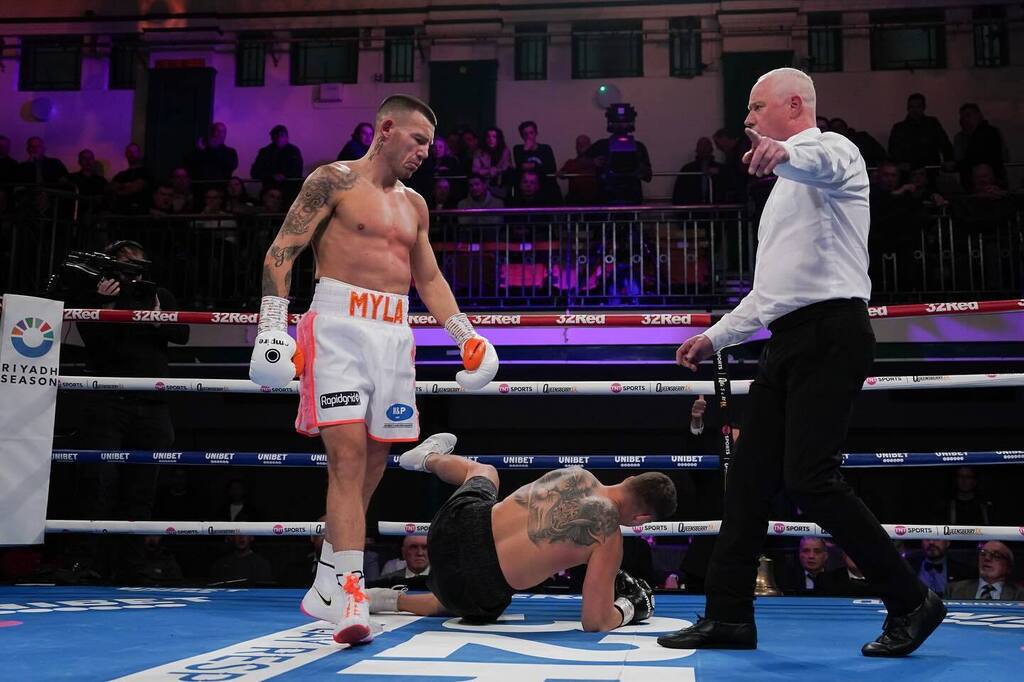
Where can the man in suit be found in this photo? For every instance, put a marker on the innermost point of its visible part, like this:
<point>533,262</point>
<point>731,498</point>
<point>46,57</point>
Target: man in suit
<point>845,581</point>
<point>995,565</point>
<point>813,556</point>
<point>936,568</point>
<point>414,568</point>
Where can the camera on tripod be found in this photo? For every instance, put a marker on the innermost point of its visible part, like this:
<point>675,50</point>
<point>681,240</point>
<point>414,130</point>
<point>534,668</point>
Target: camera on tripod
<point>80,274</point>
<point>623,157</point>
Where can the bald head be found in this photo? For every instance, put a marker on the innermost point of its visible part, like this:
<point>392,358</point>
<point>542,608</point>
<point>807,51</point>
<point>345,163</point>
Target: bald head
<point>787,82</point>
<point>782,103</point>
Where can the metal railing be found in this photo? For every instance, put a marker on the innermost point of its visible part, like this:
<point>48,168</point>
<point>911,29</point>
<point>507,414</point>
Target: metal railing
<point>574,257</point>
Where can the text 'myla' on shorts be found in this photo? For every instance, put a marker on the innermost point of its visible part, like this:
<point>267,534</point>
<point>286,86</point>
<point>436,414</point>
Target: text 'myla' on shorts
<point>359,363</point>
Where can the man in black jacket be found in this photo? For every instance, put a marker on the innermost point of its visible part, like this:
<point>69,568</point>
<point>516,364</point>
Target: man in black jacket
<point>122,421</point>
<point>279,163</point>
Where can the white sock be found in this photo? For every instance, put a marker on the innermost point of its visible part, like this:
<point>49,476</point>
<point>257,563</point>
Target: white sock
<point>347,561</point>
<point>325,575</point>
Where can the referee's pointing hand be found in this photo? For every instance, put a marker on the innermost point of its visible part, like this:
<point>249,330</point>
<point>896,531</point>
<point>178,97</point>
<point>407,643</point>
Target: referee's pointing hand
<point>764,155</point>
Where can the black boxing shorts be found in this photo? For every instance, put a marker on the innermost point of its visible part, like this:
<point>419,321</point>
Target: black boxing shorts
<point>464,572</point>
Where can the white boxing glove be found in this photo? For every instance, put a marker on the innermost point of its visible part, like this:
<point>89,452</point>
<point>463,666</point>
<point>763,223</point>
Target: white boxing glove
<point>275,359</point>
<point>478,355</point>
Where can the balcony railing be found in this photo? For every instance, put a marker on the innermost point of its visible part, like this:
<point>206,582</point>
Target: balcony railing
<point>649,256</point>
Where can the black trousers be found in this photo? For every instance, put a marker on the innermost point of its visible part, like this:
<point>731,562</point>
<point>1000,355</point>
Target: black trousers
<point>798,412</point>
<point>128,491</point>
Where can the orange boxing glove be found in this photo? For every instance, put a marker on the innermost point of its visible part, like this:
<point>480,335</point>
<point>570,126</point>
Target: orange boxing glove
<point>478,355</point>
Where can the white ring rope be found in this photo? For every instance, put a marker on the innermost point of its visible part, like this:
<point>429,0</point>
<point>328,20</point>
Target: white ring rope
<point>659,529</point>
<point>551,388</point>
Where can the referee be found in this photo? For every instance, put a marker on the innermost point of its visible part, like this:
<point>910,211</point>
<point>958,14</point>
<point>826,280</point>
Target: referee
<point>811,289</point>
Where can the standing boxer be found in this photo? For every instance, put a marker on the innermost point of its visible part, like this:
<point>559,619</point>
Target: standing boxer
<point>355,348</point>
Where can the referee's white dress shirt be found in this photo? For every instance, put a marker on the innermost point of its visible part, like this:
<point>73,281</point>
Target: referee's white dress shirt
<point>812,239</point>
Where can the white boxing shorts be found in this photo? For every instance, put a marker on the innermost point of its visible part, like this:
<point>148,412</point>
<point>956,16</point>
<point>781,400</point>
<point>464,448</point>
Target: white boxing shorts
<point>359,363</point>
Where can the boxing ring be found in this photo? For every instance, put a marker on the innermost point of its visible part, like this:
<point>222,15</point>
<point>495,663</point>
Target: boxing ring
<point>209,634</point>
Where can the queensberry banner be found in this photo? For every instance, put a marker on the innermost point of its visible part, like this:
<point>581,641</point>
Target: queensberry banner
<point>29,365</point>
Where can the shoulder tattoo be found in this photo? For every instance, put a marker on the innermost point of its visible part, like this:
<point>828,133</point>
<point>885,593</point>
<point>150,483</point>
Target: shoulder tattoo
<point>563,507</point>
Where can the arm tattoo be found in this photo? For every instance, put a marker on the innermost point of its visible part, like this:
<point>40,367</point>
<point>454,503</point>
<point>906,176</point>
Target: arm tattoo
<point>281,254</point>
<point>563,507</point>
<point>316,192</point>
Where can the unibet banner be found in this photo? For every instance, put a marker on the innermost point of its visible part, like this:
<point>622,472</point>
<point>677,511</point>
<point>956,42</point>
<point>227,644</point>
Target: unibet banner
<point>29,365</point>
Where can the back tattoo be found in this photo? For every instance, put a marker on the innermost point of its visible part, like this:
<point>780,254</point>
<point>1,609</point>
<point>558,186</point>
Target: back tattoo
<point>563,507</point>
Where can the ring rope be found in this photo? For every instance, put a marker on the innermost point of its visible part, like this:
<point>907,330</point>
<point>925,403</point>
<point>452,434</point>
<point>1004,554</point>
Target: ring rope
<point>621,387</point>
<point>658,529</point>
<point>520,319</point>
<point>507,462</point>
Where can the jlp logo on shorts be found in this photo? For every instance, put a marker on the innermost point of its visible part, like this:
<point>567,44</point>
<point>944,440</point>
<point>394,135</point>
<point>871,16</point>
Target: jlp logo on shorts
<point>341,399</point>
<point>399,412</point>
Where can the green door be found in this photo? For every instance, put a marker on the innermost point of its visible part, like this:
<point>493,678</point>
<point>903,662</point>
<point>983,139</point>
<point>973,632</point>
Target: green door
<point>740,70</point>
<point>463,94</point>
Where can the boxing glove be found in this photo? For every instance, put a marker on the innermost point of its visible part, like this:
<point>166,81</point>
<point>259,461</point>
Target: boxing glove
<point>275,358</point>
<point>478,355</point>
<point>634,598</point>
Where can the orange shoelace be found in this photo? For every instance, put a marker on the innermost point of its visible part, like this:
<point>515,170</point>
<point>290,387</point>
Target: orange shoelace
<point>352,587</point>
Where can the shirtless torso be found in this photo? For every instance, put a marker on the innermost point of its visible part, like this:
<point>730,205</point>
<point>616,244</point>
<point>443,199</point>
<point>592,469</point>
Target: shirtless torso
<point>554,523</point>
<point>368,237</point>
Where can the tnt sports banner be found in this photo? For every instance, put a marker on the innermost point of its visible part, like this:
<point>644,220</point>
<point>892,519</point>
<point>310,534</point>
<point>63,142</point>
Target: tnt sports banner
<point>29,360</point>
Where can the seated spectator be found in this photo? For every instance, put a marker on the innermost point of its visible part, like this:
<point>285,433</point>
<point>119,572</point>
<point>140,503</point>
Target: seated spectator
<point>493,160</point>
<point>40,168</point>
<point>897,217</point>
<point>236,199</point>
<point>9,173</point>
<point>978,142</point>
<point>212,160</point>
<point>966,507</point>
<point>236,506</point>
<point>414,563</point>
<point>995,568</point>
<point>984,184</point>
<point>159,567</point>
<point>443,199</point>
<point>8,166</point>
<point>242,565</point>
<point>529,194</point>
<point>480,195</point>
<point>271,200</point>
<point>813,558</point>
<point>213,204</point>
<point>845,581</point>
<point>822,123</point>
<point>872,151</point>
<point>919,140</point>
<point>935,567</point>
<point>445,162</point>
<point>469,146</point>
<point>920,187</point>
<point>131,187</point>
<point>535,156</point>
<point>162,201</point>
<point>358,144</point>
<point>697,189</point>
<point>584,186</point>
<point>278,162</point>
<point>731,186</point>
<point>184,199</point>
<point>88,179</point>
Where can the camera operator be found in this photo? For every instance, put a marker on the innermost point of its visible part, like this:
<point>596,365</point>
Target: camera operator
<point>130,420</point>
<point>622,161</point>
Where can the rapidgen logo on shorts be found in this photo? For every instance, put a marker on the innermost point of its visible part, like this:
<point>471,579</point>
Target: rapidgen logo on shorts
<point>340,399</point>
<point>399,412</point>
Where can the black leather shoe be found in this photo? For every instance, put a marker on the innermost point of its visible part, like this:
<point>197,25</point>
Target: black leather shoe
<point>901,635</point>
<point>712,634</point>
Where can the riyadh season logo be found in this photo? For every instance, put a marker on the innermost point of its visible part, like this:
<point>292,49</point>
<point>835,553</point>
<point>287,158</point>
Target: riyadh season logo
<point>32,337</point>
